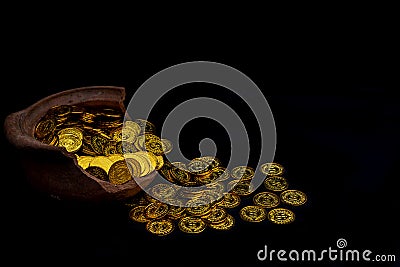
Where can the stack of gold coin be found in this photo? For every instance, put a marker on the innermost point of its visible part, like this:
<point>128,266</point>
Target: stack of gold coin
<point>105,146</point>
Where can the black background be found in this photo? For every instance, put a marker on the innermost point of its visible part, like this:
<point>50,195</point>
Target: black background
<point>337,120</point>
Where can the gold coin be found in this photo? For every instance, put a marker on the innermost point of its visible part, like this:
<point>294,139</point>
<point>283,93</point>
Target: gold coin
<point>145,126</point>
<point>110,149</point>
<point>216,215</point>
<point>115,157</point>
<point>276,183</point>
<point>166,145</point>
<point>220,174</point>
<point>266,200</point>
<point>137,214</point>
<point>45,128</point>
<point>293,197</point>
<point>226,224</point>
<point>212,161</point>
<point>198,166</point>
<point>198,207</point>
<point>71,131</point>
<point>179,165</point>
<point>253,214</point>
<point>153,144</point>
<point>180,175</point>
<point>97,172</point>
<point>217,187</point>
<point>133,126</point>
<point>241,188</point>
<point>84,161</point>
<point>191,225</point>
<point>102,162</point>
<point>160,227</point>
<point>140,142</point>
<point>70,142</point>
<point>144,161</point>
<point>98,143</point>
<point>60,111</point>
<point>162,191</point>
<point>230,200</point>
<point>272,169</point>
<point>125,147</point>
<point>242,173</point>
<point>156,210</point>
<point>176,209</point>
<point>127,135</point>
<point>281,216</point>
<point>119,173</point>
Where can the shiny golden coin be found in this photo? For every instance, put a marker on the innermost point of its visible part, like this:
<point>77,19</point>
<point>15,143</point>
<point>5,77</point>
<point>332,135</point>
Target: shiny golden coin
<point>119,173</point>
<point>138,214</point>
<point>266,200</point>
<point>293,197</point>
<point>70,142</point>
<point>253,214</point>
<point>216,215</point>
<point>60,111</point>
<point>156,210</point>
<point>242,173</point>
<point>71,131</point>
<point>217,187</point>
<point>276,183</point>
<point>212,161</point>
<point>198,166</point>
<point>162,191</point>
<point>230,200</point>
<point>220,174</point>
<point>198,207</point>
<point>125,147</point>
<point>225,224</point>
<point>127,135</point>
<point>115,157</point>
<point>179,165</point>
<point>166,145</point>
<point>241,188</point>
<point>145,163</point>
<point>272,169</point>
<point>133,126</point>
<point>140,142</point>
<point>145,126</point>
<point>102,162</point>
<point>45,128</point>
<point>98,143</point>
<point>281,216</point>
<point>191,225</point>
<point>110,149</point>
<point>160,227</point>
<point>176,209</point>
<point>153,144</point>
<point>98,173</point>
<point>180,176</point>
<point>84,161</point>
<point>159,162</point>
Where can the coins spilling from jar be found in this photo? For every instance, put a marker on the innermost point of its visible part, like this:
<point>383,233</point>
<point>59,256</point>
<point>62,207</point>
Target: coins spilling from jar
<point>193,211</point>
<point>105,145</point>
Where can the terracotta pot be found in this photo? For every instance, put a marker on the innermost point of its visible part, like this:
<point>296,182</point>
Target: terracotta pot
<point>52,169</point>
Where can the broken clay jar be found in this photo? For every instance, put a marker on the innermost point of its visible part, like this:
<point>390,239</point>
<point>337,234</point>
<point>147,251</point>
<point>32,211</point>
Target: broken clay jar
<point>51,169</point>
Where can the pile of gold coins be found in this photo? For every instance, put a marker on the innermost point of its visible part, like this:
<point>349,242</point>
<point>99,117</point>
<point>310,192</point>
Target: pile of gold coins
<point>105,146</point>
<point>116,151</point>
<point>194,212</point>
